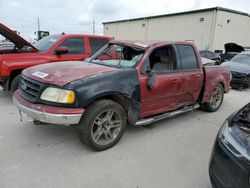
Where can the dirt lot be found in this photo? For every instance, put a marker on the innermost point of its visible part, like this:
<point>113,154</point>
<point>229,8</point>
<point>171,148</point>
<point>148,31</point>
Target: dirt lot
<point>171,153</point>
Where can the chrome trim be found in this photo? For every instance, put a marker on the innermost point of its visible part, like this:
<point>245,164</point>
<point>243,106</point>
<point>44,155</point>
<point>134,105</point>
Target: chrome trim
<point>58,119</point>
<point>147,121</point>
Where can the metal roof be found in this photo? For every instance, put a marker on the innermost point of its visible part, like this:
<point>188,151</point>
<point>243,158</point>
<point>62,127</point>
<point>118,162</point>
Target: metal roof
<point>182,13</point>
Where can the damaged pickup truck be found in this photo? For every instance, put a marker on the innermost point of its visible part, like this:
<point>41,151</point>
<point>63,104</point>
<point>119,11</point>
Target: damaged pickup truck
<point>136,82</point>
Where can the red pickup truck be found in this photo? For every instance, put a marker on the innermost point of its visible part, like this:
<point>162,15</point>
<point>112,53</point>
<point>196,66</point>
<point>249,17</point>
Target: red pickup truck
<point>138,82</point>
<point>54,48</point>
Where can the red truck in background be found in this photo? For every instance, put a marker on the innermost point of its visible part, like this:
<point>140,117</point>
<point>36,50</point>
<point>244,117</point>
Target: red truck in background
<point>54,48</point>
<point>138,82</point>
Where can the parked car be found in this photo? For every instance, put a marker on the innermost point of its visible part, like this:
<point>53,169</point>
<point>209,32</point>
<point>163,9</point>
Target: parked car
<point>6,46</point>
<point>208,62</point>
<point>211,55</point>
<point>240,69</point>
<point>54,48</point>
<point>230,160</point>
<point>126,81</point>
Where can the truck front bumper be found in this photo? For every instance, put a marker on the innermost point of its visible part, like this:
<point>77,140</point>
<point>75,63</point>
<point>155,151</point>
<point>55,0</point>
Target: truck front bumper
<point>48,114</point>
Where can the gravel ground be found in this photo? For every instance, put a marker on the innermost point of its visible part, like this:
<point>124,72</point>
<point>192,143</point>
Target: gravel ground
<point>171,153</point>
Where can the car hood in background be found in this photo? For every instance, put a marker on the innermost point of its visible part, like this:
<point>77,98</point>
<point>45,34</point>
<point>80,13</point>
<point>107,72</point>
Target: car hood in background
<point>62,73</point>
<point>233,47</point>
<point>237,67</point>
<point>15,38</point>
<point>207,62</point>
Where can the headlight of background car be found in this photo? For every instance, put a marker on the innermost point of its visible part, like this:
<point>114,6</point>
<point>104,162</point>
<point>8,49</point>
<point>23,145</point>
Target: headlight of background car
<point>233,142</point>
<point>58,95</point>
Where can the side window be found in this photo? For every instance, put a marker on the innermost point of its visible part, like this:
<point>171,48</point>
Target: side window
<point>162,60</point>
<point>75,45</point>
<point>188,57</point>
<point>96,44</point>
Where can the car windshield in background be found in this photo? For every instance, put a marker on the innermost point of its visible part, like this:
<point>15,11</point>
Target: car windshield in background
<point>45,43</point>
<point>117,55</point>
<point>242,58</point>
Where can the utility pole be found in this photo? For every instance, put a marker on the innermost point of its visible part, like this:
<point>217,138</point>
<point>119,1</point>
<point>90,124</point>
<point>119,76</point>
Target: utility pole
<point>38,24</point>
<point>38,27</point>
<point>93,26</point>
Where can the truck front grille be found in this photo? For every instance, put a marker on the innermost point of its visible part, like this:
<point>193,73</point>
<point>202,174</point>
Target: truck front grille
<point>30,89</point>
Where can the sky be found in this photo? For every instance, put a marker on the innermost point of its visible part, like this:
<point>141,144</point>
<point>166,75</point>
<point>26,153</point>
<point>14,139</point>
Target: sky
<point>76,16</point>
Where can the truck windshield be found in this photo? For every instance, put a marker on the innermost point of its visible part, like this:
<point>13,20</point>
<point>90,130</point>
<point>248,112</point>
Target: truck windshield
<point>45,43</point>
<point>242,58</point>
<point>117,55</point>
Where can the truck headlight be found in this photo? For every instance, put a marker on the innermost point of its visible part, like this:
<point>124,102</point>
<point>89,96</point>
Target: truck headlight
<point>58,95</point>
<point>233,141</point>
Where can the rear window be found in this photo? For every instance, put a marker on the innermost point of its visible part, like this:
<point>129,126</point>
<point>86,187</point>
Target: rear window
<point>97,43</point>
<point>188,57</point>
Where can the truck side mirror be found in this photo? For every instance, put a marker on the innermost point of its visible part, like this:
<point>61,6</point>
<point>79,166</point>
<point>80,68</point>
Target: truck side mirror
<point>151,81</point>
<point>61,50</point>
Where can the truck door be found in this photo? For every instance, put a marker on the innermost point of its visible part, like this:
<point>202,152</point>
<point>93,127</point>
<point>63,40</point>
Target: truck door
<point>191,74</point>
<point>76,50</point>
<point>162,92</point>
<point>177,79</point>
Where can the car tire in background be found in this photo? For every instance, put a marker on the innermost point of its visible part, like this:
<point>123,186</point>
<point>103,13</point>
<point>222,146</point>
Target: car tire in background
<point>215,101</point>
<point>102,124</point>
<point>15,84</point>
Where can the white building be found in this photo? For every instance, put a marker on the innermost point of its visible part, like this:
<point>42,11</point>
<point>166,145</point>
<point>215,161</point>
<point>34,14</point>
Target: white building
<point>208,28</point>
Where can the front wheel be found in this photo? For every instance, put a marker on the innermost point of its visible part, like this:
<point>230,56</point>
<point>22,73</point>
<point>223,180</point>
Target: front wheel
<point>102,125</point>
<point>215,100</point>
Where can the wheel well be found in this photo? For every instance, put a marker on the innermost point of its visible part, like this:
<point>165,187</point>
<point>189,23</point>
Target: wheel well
<point>222,86</point>
<point>13,74</point>
<point>120,99</point>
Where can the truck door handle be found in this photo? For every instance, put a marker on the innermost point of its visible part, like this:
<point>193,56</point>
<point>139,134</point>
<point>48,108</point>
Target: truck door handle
<point>174,81</point>
<point>197,76</point>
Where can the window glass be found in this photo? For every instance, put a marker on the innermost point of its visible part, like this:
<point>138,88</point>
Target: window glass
<point>45,43</point>
<point>96,44</point>
<point>188,57</point>
<point>162,60</point>
<point>75,45</point>
<point>117,55</point>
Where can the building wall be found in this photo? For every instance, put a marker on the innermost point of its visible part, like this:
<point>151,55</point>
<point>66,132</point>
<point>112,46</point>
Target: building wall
<point>237,30</point>
<point>173,28</point>
<point>211,34</point>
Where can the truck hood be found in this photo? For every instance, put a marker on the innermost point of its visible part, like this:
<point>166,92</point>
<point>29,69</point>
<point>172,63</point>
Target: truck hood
<point>62,73</point>
<point>15,38</point>
<point>237,67</point>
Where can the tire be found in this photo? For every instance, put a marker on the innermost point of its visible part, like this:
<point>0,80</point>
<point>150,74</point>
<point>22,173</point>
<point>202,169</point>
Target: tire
<point>215,101</point>
<point>102,124</point>
<point>15,84</point>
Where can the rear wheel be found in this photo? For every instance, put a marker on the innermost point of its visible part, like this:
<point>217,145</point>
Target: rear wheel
<point>14,84</point>
<point>215,100</point>
<point>102,125</point>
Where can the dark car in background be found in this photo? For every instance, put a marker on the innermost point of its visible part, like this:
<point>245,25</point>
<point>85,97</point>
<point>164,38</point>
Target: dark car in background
<point>211,55</point>
<point>240,69</point>
<point>230,160</point>
<point>231,49</point>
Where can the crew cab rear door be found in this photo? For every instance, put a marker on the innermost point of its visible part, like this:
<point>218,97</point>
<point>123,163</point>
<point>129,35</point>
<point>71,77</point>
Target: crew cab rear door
<point>177,79</point>
<point>191,73</point>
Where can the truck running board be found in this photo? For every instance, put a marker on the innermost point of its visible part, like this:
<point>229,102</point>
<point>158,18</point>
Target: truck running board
<point>146,121</point>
